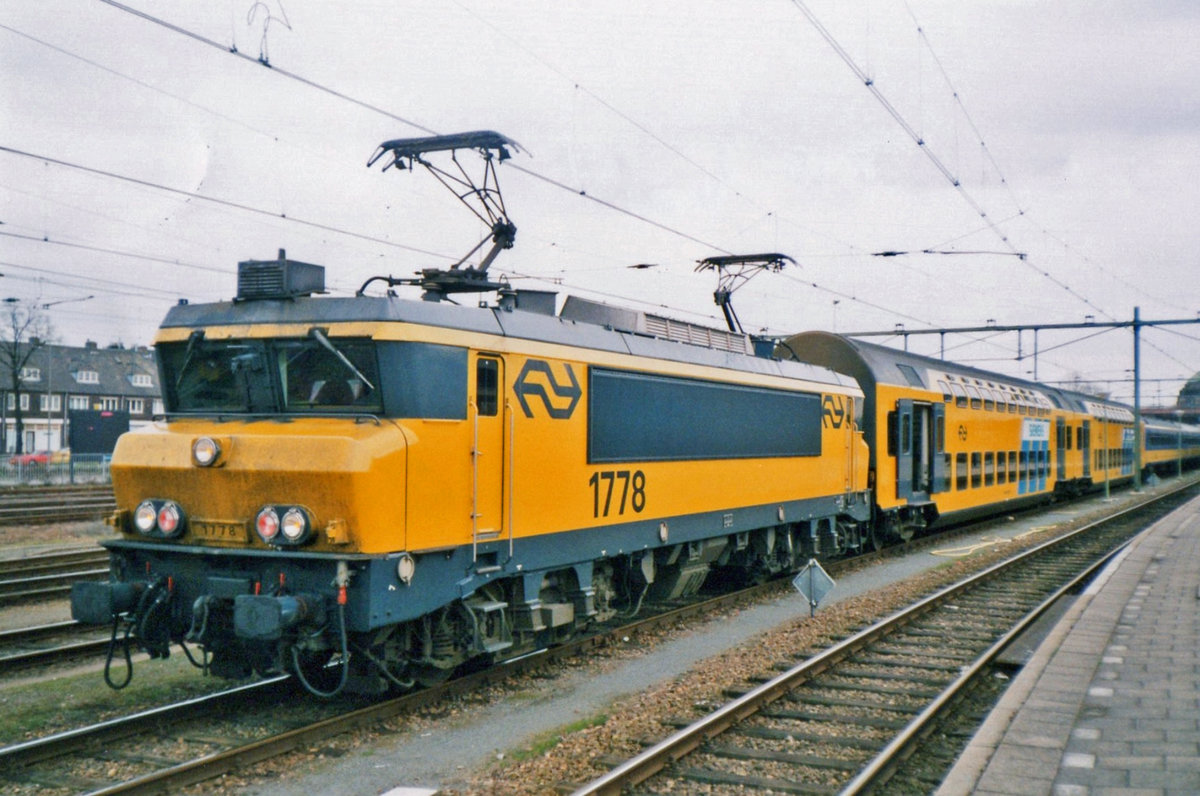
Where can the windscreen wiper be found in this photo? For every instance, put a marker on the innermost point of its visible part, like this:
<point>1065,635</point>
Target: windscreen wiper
<point>317,335</point>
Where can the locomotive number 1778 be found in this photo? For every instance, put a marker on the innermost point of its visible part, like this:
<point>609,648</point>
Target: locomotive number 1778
<point>605,499</point>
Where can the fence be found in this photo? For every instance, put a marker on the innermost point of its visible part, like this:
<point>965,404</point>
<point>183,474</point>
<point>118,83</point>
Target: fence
<point>75,469</point>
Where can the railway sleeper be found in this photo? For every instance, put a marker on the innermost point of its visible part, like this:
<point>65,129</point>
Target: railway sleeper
<point>879,688</point>
<point>897,647</point>
<point>776,734</point>
<point>922,641</point>
<point>876,722</point>
<point>906,677</point>
<point>770,755</point>
<point>867,704</point>
<point>884,660</point>
<point>708,776</point>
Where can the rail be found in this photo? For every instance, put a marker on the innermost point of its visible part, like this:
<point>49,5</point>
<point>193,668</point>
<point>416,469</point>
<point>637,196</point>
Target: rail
<point>33,505</point>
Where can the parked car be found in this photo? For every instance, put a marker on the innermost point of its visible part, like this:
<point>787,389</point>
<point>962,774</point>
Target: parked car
<point>42,457</point>
<point>32,457</point>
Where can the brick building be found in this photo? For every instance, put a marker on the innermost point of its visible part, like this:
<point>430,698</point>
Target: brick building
<point>58,379</point>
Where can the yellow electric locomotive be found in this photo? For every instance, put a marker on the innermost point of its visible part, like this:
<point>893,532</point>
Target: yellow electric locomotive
<point>398,486</point>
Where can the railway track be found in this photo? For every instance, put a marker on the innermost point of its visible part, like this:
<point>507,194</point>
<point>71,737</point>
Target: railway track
<point>179,745</point>
<point>845,719</point>
<point>49,575</point>
<point>42,645</point>
<point>40,505</point>
<point>212,731</point>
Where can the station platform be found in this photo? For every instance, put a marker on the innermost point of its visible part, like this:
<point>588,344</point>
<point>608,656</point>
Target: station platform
<point>1110,701</point>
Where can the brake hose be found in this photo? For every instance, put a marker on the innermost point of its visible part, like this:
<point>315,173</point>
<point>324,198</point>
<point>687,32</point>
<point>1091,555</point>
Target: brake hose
<point>345,662</point>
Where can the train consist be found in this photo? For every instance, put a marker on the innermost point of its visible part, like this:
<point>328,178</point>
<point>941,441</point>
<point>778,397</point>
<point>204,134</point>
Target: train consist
<point>370,492</point>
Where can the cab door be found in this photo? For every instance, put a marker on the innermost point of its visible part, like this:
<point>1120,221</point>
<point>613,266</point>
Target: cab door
<point>487,451</point>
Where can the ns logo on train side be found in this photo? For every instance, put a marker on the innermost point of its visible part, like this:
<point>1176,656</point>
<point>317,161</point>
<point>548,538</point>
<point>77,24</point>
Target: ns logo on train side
<point>833,411</point>
<point>536,375</point>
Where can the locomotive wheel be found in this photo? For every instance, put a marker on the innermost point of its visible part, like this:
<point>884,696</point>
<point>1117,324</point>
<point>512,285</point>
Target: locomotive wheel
<point>873,543</point>
<point>428,676</point>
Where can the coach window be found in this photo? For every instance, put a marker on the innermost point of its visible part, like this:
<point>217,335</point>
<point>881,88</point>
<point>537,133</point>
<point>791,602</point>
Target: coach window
<point>989,401</point>
<point>960,466</point>
<point>976,470</point>
<point>487,386</point>
<point>1012,404</point>
<point>911,376</point>
<point>960,395</point>
<point>946,395</point>
<point>1001,470</point>
<point>976,400</point>
<point>1012,465</point>
<point>989,469</point>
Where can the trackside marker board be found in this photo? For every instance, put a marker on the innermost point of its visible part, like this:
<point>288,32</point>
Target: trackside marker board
<point>813,583</point>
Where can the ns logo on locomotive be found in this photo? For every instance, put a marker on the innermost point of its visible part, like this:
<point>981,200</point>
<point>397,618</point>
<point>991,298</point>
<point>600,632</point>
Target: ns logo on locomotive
<point>368,492</point>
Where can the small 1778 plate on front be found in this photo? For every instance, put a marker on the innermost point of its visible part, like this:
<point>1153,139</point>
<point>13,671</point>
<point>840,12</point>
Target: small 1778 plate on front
<point>219,531</point>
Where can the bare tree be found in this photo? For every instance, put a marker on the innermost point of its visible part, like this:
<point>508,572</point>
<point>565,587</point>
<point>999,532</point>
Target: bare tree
<point>27,329</point>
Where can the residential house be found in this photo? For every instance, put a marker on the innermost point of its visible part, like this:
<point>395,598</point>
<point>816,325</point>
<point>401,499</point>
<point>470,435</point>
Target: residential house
<point>59,378</point>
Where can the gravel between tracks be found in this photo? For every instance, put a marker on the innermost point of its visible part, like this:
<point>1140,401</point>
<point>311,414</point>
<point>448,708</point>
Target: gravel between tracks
<point>20,541</point>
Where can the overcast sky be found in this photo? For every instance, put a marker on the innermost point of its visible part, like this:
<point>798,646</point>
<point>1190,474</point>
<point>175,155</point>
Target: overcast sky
<point>657,133</point>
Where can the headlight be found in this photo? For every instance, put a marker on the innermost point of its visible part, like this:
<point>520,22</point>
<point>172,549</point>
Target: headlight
<point>284,525</point>
<point>267,524</point>
<point>145,516</point>
<point>295,525</point>
<point>205,451</point>
<point>159,518</point>
<point>170,519</point>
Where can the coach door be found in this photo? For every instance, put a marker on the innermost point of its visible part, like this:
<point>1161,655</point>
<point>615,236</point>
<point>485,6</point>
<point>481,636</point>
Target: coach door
<point>487,453</point>
<point>920,445</point>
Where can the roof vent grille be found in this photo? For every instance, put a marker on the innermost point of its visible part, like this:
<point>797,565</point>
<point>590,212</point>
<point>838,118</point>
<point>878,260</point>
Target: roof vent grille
<point>278,279</point>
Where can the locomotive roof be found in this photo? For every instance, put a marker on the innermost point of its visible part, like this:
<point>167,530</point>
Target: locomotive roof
<point>619,331</point>
<point>871,364</point>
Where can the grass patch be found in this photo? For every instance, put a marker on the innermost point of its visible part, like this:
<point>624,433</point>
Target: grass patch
<point>46,706</point>
<point>544,742</point>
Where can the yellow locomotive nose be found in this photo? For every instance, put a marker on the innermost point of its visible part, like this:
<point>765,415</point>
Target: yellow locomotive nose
<point>316,483</point>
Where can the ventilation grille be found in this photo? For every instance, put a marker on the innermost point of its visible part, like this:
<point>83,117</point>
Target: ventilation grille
<point>278,279</point>
<point>684,332</point>
<point>626,320</point>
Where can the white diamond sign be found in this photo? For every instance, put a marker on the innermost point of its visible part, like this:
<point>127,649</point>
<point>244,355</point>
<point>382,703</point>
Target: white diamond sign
<point>813,583</point>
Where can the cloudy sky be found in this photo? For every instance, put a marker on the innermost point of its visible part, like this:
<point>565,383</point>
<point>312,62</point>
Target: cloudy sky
<point>145,150</point>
